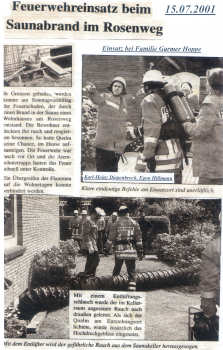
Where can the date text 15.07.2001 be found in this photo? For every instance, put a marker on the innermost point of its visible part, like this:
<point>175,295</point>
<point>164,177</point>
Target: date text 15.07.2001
<point>188,10</point>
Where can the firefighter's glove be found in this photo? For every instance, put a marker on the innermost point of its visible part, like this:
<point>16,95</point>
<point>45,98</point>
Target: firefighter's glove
<point>140,92</point>
<point>140,253</point>
<point>108,246</point>
<point>90,88</point>
<point>130,134</point>
<point>208,306</point>
<point>151,164</point>
<point>91,251</point>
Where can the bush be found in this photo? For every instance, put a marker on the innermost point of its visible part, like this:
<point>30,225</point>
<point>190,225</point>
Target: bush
<point>51,266</point>
<point>193,225</point>
<point>89,124</point>
<point>184,249</point>
<point>183,214</point>
<point>13,326</point>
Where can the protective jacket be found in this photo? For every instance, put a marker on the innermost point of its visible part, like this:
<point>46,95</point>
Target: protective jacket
<point>193,102</point>
<point>207,139</point>
<point>109,225</point>
<point>88,232</point>
<point>210,271</point>
<point>74,224</point>
<point>111,132</point>
<point>100,223</point>
<point>166,151</point>
<point>125,234</point>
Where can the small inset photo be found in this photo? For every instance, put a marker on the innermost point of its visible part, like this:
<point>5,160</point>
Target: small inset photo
<point>38,65</point>
<point>153,114</point>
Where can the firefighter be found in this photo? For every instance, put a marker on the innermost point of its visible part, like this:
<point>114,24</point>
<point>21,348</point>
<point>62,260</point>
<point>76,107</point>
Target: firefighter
<point>100,223</point>
<point>207,140</point>
<point>88,232</point>
<point>146,229</point>
<point>111,133</point>
<point>191,97</point>
<point>206,323</point>
<point>111,221</point>
<point>113,218</point>
<point>210,276</point>
<point>74,224</point>
<point>162,146</point>
<point>126,237</point>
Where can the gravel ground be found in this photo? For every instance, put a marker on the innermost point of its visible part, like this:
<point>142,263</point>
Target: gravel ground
<point>166,309</point>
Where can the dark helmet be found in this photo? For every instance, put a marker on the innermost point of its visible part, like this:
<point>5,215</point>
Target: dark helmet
<point>215,78</point>
<point>205,328</point>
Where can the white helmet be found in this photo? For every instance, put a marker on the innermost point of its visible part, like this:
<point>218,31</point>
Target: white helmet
<point>120,80</point>
<point>100,211</point>
<point>154,76</point>
<point>123,207</point>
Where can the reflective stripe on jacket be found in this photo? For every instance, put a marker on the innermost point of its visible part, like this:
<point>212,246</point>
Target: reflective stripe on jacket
<point>74,224</point>
<point>126,231</point>
<point>100,223</point>
<point>112,117</point>
<point>168,153</point>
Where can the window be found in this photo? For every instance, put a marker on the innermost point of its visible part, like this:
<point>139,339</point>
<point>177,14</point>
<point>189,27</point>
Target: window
<point>13,240</point>
<point>10,221</point>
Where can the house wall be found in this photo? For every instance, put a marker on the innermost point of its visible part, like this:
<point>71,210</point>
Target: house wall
<point>38,229</point>
<point>100,70</point>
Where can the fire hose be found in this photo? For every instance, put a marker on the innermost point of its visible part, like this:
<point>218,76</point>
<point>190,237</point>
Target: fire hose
<point>48,298</point>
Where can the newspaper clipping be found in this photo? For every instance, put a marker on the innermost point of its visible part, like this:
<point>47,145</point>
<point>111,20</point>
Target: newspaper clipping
<point>112,143</point>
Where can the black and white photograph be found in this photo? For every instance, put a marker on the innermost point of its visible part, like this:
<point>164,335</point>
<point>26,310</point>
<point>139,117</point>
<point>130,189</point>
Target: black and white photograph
<point>38,65</point>
<point>169,249</point>
<point>153,114</point>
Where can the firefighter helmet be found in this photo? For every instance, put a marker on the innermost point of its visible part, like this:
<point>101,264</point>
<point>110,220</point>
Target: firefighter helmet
<point>153,76</point>
<point>120,80</point>
<point>123,207</point>
<point>123,210</point>
<point>205,328</point>
<point>215,77</point>
<point>100,211</point>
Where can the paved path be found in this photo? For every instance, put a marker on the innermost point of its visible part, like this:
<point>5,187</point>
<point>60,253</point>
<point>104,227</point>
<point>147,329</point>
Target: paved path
<point>167,312</point>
